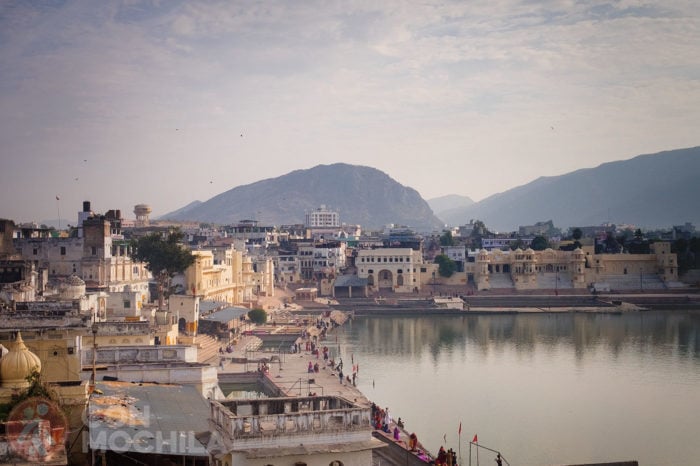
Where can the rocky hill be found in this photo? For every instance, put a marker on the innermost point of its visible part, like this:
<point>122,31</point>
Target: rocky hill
<point>450,202</point>
<point>361,195</point>
<point>649,191</point>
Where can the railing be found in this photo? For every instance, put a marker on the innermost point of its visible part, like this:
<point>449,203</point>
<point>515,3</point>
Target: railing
<point>478,446</point>
<point>303,415</point>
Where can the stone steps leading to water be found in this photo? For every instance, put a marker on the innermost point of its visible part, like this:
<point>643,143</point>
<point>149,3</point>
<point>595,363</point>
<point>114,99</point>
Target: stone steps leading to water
<point>207,349</point>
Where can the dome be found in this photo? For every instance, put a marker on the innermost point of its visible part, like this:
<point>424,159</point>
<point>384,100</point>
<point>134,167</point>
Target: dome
<point>18,364</point>
<point>75,280</point>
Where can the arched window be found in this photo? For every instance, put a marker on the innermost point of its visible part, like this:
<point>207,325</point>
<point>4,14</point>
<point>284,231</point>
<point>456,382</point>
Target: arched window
<point>335,463</point>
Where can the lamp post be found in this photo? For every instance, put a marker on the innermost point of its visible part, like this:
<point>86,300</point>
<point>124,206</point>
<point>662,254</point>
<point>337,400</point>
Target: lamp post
<point>641,283</point>
<point>94,357</point>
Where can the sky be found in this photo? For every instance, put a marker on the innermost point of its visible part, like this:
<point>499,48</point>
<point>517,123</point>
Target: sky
<point>167,102</point>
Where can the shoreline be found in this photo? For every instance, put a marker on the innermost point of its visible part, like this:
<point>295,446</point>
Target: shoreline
<point>289,374</point>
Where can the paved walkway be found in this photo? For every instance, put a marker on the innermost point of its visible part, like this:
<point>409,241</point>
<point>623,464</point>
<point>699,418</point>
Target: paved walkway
<point>289,371</point>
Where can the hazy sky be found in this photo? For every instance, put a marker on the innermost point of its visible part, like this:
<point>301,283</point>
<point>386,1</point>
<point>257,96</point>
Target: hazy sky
<point>166,102</point>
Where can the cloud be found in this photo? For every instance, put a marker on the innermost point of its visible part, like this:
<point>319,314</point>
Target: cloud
<point>425,91</point>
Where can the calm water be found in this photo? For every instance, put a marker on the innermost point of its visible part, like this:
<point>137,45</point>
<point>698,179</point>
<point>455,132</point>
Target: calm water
<point>543,389</point>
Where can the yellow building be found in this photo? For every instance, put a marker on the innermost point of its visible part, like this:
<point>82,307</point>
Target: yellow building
<point>394,269</point>
<point>581,268</point>
<point>228,275</point>
<point>57,417</point>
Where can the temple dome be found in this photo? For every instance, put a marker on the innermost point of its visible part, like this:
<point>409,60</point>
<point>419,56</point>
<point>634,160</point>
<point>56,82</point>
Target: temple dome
<point>18,364</point>
<point>75,280</point>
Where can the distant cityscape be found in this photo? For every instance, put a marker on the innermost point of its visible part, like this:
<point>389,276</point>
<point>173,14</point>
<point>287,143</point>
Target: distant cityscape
<point>76,301</point>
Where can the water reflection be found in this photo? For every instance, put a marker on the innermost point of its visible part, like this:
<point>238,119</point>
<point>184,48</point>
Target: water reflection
<point>545,388</point>
<point>409,337</point>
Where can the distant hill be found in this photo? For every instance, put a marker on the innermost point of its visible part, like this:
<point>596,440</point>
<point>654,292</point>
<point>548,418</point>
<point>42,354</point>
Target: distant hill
<point>361,195</point>
<point>182,211</point>
<point>649,191</point>
<point>449,202</point>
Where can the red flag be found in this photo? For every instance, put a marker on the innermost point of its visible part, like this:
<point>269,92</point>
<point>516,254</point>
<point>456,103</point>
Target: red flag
<point>460,427</point>
<point>475,439</point>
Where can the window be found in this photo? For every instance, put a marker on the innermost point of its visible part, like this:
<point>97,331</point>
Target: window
<point>35,251</point>
<point>127,304</point>
<point>63,250</point>
<point>94,250</point>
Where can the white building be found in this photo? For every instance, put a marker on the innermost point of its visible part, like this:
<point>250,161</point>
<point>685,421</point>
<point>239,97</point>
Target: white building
<point>313,431</point>
<point>322,218</point>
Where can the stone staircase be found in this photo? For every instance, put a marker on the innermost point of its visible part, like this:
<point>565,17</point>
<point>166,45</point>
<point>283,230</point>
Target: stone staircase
<point>251,343</point>
<point>501,281</point>
<point>207,349</point>
<point>553,281</point>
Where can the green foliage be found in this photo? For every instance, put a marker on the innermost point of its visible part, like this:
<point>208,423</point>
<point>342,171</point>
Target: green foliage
<point>688,252</point>
<point>576,234</point>
<point>37,388</point>
<point>446,266</point>
<point>257,316</point>
<point>446,239</point>
<point>517,244</point>
<point>539,243</point>
<point>478,234</point>
<point>163,255</point>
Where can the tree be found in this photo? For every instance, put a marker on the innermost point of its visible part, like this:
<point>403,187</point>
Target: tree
<point>446,266</point>
<point>577,234</point>
<point>539,243</point>
<point>446,239</point>
<point>257,316</point>
<point>164,255</point>
<point>516,244</point>
<point>477,234</point>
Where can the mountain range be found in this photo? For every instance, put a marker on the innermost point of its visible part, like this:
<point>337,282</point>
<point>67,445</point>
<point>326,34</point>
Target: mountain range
<point>649,191</point>
<point>362,195</point>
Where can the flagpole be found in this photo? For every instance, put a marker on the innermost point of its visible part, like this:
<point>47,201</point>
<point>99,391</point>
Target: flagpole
<point>477,451</point>
<point>459,442</point>
<point>58,210</point>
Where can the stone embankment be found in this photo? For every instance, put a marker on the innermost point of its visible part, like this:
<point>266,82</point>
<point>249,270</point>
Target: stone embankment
<point>510,303</point>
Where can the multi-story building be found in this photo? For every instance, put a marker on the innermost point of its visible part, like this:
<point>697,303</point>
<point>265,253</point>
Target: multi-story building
<point>228,275</point>
<point>252,233</point>
<point>580,268</point>
<point>457,254</point>
<point>98,253</point>
<point>287,269</point>
<point>322,218</point>
<point>395,269</point>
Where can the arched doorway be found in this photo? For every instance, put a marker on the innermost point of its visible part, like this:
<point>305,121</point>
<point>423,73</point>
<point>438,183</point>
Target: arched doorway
<point>385,279</point>
<point>182,324</point>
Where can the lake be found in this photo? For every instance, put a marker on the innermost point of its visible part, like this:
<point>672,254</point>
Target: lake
<point>543,389</point>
